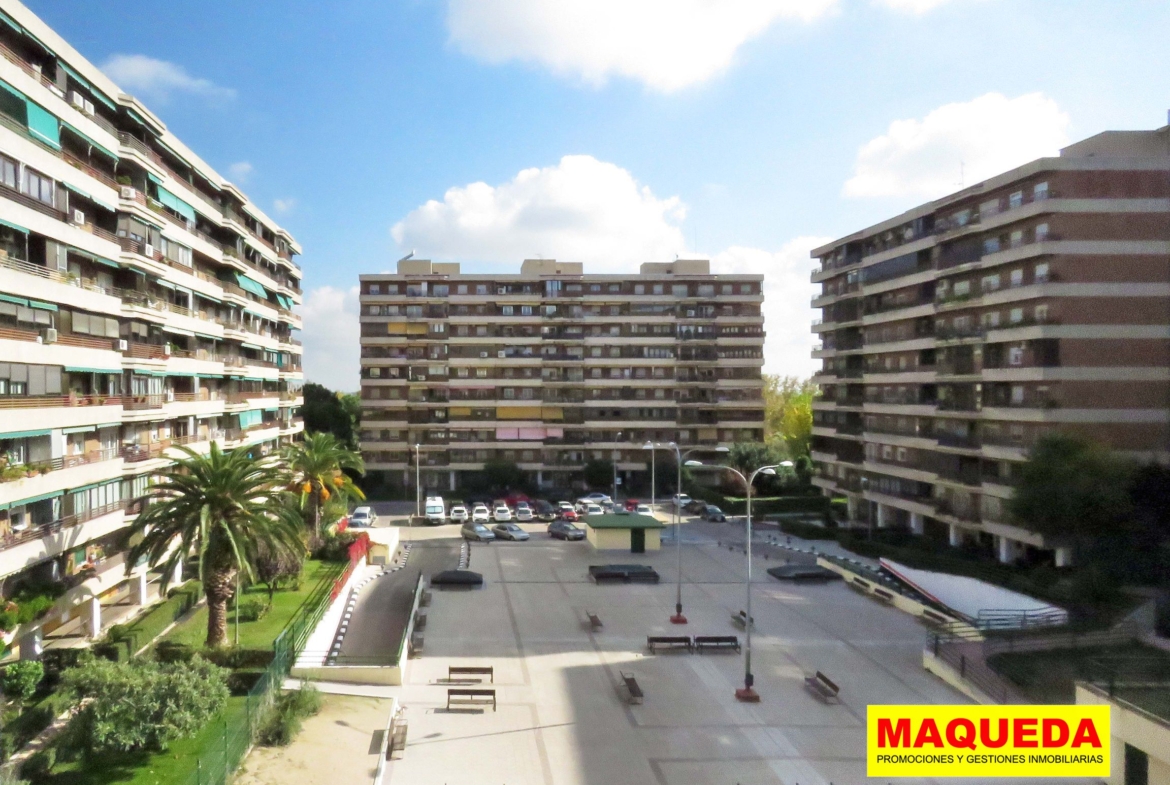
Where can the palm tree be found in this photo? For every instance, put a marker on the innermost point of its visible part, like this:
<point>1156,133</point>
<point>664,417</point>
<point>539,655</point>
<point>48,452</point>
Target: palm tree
<point>317,466</point>
<point>226,507</point>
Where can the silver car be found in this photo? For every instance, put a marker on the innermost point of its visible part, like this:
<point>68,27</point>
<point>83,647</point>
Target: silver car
<point>509,531</point>
<point>476,532</point>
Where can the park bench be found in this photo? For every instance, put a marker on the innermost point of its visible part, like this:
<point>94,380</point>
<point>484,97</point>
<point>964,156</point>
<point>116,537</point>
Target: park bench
<point>881,595</point>
<point>416,644</point>
<point>823,687</point>
<point>669,642</point>
<point>424,599</point>
<point>471,697</point>
<point>716,642</point>
<point>594,621</point>
<point>740,620</point>
<point>633,690</point>
<point>471,670</point>
<point>397,745</point>
<point>420,620</point>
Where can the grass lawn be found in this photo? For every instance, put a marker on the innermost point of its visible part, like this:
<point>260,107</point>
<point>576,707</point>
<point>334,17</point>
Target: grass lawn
<point>259,634</point>
<point>1050,676</point>
<point>172,767</point>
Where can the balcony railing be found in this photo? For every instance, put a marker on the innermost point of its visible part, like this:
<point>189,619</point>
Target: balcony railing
<point>30,533</point>
<point>141,402</point>
<point>53,401</point>
<point>64,462</point>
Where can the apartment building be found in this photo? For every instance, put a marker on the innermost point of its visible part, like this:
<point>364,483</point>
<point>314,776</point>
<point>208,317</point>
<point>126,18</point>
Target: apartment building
<point>958,333</point>
<point>552,368</point>
<point>145,303</point>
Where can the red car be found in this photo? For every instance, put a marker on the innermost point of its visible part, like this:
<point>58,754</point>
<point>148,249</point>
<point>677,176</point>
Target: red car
<point>570,515</point>
<point>632,505</point>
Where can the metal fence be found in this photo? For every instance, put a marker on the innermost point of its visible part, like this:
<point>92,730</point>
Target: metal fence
<point>238,727</point>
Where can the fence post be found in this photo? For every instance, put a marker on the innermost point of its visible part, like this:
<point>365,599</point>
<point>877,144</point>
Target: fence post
<point>962,666</point>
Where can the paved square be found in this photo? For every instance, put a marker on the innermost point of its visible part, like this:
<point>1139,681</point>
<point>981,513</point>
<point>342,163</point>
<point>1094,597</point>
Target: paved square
<point>562,719</point>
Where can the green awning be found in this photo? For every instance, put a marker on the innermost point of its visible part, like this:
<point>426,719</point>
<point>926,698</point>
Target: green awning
<point>176,204</point>
<point>8,20</point>
<point>85,83</point>
<point>153,179</point>
<point>77,369</point>
<point>44,125</point>
<point>271,408</point>
<point>285,302</point>
<point>88,428</point>
<point>93,257</point>
<point>23,434</point>
<point>10,299</point>
<point>103,150</point>
<point>251,285</point>
<point>35,499</point>
<point>42,306</point>
<point>11,225</point>
<point>210,375</point>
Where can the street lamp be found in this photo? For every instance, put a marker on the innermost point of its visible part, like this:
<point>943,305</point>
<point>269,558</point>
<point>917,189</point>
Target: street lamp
<point>417,483</point>
<point>747,693</point>
<point>650,446</point>
<point>616,456</point>
<point>678,617</point>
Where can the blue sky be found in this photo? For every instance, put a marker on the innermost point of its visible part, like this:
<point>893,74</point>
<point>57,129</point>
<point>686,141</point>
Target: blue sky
<point>743,130</point>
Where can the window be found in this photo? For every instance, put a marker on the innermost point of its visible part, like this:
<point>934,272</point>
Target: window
<point>658,288</point>
<point>481,373</point>
<point>1015,355</point>
<point>1017,238</point>
<point>526,310</point>
<point>991,319</point>
<point>1017,394</point>
<point>594,287</point>
<point>1041,273</point>
<point>639,288</point>
<point>8,172</point>
<point>1017,278</point>
<point>745,288</point>
<point>1016,199</point>
<point>461,373</point>
<point>481,288</point>
<point>506,310</point>
<point>375,288</point>
<point>962,288</point>
<point>441,290</point>
<point>1042,313</point>
<point>38,186</point>
<point>461,289</point>
<point>901,455</point>
<point>679,290</point>
<point>706,290</point>
<point>1016,316</point>
<point>991,245</point>
<point>990,283</point>
<point>887,452</point>
<point>1040,191</point>
<point>727,289</point>
<point>1041,233</point>
<point>989,208</point>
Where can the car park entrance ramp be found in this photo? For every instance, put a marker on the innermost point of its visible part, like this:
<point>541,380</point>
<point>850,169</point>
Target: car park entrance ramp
<point>983,604</point>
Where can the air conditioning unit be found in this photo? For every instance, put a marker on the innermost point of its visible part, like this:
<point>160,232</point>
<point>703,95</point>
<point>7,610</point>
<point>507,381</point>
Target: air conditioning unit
<point>167,350</point>
<point>483,354</point>
<point>148,250</point>
<point>78,100</point>
<point>123,345</point>
<point>89,107</point>
<point>170,396</point>
<point>78,217</point>
<point>500,354</point>
<point>49,335</point>
<point>129,192</point>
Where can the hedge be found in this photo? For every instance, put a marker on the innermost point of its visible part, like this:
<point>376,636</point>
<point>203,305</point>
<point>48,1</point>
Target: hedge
<point>122,641</point>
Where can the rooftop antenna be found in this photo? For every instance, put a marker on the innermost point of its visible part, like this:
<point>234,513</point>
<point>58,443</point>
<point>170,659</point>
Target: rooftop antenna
<point>408,256</point>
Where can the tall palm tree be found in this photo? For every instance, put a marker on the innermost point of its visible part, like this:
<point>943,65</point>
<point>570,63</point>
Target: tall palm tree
<point>317,466</point>
<point>225,507</point>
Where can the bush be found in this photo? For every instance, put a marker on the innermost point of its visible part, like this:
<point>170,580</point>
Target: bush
<point>285,721</point>
<point>169,651</point>
<point>235,659</point>
<point>808,531</point>
<point>145,704</point>
<point>39,764</point>
<point>22,678</point>
<point>252,610</point>
<point>334,546</point>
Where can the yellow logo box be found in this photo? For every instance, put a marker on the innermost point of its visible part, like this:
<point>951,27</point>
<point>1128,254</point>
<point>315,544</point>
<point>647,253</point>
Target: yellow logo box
<point>987,741</point>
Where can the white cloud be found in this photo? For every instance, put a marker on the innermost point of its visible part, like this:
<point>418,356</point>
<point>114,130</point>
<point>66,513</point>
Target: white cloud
<point>580,210</point>
<point>240,171</point>
<point>331,334</point>
<point>667,44</point>
<point>787,294</point>
<point>284,205</point>
<point>973,141</point>
<point>912,6</point>
<point>159,80</point>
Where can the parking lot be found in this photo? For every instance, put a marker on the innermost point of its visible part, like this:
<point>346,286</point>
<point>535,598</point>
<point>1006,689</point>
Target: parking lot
<point>561,715</point>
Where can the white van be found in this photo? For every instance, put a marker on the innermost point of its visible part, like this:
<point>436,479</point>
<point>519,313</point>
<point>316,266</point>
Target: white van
<point>436,510</point>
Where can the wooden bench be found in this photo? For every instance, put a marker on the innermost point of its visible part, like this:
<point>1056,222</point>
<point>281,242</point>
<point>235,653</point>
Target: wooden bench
<point>669,641</point>
<point>823,687</point>
<point>716,642</point>
<point>420,620</point>
<point>472,697</point>
<point>633,689</point>
<point>740,620</point>
<point>471,670</point>
<point>594,621</point>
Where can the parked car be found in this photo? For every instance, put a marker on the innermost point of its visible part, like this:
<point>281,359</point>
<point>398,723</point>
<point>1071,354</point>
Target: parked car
<point>594,509</point>
<point>502,514</point>
<point>713,513</point>
<point>564,530</point>
<point>597,498</point>
<point>509,531</point>
<point>480,514</point>
<point>680,500</point>
<point>569,514</point>
<point>436,511</point>
<point>476,532</point>
<point>459,514</point>
<point>362,517</point>
<point>632,505</point>
<point>695,507</point>
<point>524,515</point>
<point>544,511</point>
<point>643,509</point>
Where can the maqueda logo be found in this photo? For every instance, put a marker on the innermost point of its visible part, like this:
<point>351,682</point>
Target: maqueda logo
<point>987,741</point>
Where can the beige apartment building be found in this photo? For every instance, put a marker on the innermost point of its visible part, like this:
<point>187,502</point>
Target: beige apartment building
<point>552,368</point>
<point>145,303</point>
<point>958,333</point>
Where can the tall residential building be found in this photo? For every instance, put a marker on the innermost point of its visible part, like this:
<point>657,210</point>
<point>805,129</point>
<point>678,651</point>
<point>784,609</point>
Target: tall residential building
<point>145,303</point>
<point>552,368</point>
<point>960,332</point>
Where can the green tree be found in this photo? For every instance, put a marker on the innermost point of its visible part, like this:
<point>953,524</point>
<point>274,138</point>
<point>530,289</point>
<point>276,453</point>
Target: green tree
<point>1073,487</point>
<point>225,507</point>
<point>501,475</point>
<point>788,413</point>
<point>318,467</point>
<point>749,456</point>
<point>337,413</point>
<point>22,678</point>
<point>599,474</point>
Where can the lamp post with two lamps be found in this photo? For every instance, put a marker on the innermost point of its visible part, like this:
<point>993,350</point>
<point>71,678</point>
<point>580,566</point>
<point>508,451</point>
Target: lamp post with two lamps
<point>678,617</point>
<point>747,693</point>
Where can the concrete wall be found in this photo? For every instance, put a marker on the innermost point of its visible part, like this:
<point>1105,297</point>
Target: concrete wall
<point>1129,725</point>
<point>609,539</point>
<point>390,675</point>
<point>904,604</point>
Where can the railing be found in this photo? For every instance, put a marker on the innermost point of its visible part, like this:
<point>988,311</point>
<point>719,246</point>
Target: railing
<point>245,395</point>
<point>35,204</point>
<point>12,334</point>
<point>15,537</point>
<point>126,140</point>
<point>146,351</point>
<point>65,462</point>
<point>81,341</point>
<point>140,402</point>
<point>136,453</point>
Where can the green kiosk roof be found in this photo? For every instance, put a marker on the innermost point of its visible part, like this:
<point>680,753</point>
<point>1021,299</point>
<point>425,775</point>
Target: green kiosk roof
<point>618,521</point>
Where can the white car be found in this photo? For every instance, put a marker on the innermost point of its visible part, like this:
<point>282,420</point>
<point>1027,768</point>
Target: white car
<point>459,514</point>
<point>524,514</point>
<point>362,517</point>
<point>644,509</point>
<point>598,498</point>
<point>681,500</point>
<point>502,514</point>
<point>565,506</point>
<point>594,509</point>
<point>480,514</point>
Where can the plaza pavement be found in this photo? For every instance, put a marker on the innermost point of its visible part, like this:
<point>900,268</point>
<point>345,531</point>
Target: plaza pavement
<point>562,719</point>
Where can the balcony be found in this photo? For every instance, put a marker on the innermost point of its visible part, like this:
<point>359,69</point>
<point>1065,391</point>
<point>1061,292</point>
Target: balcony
<point>143,402</point>
<point>136,453</point>
<point>54,401</point>
<point>28,533</point>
